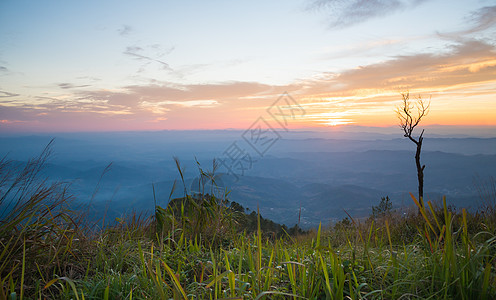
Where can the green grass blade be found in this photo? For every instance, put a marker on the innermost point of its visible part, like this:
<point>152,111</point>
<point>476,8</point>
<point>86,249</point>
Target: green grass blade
<point>175,280</point>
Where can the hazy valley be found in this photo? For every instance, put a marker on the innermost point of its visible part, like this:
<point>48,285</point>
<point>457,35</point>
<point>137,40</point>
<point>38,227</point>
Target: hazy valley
<point>321,176</point>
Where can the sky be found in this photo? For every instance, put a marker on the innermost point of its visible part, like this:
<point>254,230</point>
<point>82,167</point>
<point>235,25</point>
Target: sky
<point>167,65</point>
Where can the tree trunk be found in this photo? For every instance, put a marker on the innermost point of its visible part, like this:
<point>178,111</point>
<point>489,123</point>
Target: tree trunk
<point>420,172</point>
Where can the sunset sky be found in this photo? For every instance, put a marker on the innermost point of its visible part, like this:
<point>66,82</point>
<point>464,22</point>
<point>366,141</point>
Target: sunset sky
<point>154,65</point>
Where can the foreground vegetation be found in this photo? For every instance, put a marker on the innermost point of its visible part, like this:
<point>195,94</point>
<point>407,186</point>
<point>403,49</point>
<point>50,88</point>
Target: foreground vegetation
<point>197,248</point>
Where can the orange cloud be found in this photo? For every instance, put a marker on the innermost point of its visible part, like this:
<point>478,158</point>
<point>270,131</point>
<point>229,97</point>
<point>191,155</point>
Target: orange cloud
<point>367,95</point>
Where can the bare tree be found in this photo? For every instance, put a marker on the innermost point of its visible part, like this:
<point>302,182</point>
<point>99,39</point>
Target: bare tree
<point>410,114</point>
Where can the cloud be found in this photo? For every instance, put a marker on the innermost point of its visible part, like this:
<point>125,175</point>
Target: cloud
<point>4,71</point>
<point>483,19</point>
<point>345,13</point>
<point>156,106</point>
<point>4,94</point>
<point>161,51</point>
<point>465,69</point>
<point>142,107</point>
<point>90,78</point>
<point>468,62</point>
<point>136,53</point>
<point>14,113</point>
<point>138,97</point>
<point>226,90</point>
<point>125,30</point>
<point>119,99</point>
<point>50,118</point>
<point>163,107</point>
<point>477,22</point>
<point>193,103</point>
<point>66,85</point>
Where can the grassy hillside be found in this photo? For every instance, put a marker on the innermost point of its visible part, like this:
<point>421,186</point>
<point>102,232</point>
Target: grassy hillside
<point>203,247</point>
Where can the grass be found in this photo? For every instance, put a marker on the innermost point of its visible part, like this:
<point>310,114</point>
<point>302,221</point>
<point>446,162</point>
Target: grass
<point>195,248</point>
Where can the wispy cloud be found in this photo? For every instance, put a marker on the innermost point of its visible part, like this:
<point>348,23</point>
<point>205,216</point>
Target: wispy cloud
<point>137,53</point>
<point>482,19</point>
<point>4,94</point>
<point>66,85</point>
<point>345,13</point>
<point>125,30</point>
<point>476,24</point>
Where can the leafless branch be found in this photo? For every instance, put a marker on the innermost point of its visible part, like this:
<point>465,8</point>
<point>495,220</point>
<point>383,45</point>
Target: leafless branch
<point>409,119</point>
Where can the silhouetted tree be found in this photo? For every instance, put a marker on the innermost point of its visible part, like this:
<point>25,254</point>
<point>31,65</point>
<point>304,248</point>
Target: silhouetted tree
<point>410,114</point>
